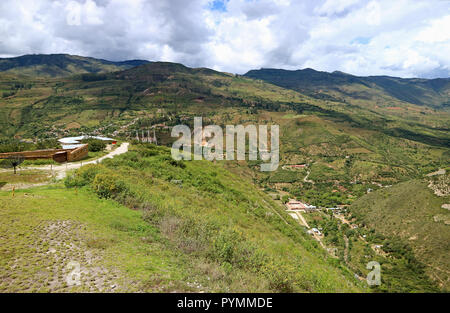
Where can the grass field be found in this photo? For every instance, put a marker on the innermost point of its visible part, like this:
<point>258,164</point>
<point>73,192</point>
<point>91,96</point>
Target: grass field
<point>23,178</point>
<point>45,229</point>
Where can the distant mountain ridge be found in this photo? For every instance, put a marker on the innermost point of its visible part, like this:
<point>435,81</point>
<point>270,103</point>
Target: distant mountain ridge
<point>335,86</point>
<point>60,65</point>
<point>352,132</point>
<point>325,85</point>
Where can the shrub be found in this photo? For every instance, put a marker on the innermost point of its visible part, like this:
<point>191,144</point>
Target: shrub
<point>179,164</point>
<point>74,181</point>
<point>153,214</point>
<point>224,246</point>
<point>230,248</point>
<point>108,185</point>
<point>83,176</point>
<point>281,279</point>
<point>169,226</point>
<point>148,152</point>
<point>95,145</point>
<point>89,172</point>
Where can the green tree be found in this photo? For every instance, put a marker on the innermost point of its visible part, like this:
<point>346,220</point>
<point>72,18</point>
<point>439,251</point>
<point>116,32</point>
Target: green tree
<point>95,145</point>
<point>13,162</point>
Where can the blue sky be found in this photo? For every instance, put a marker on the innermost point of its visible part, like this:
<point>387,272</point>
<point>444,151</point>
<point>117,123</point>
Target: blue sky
<point>362,40</point>
<point>218,5</point>
<point>406,38</point>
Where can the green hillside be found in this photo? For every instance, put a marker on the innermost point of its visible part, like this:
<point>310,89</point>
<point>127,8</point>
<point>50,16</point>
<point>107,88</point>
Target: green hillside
<point>349,148</point>
<point>410,214</point>
<point>60,65</point>
<point>350,145</point>
<point>324,85</point>
<point>143,222</point>
<point>88,99</point>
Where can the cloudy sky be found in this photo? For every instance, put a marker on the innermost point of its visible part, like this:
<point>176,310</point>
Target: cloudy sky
<point>406,38</point>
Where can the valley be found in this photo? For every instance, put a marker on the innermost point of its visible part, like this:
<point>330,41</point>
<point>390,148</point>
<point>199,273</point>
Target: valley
<point>364,144</point>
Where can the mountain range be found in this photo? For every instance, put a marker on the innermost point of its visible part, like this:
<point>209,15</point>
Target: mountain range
<point>363,141</point>
<point>431,92</point>
<point>60,65</point>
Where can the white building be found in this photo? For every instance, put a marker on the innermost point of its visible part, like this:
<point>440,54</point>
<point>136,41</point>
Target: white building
<point>75,142</point>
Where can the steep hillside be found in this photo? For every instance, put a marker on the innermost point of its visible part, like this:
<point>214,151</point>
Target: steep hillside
<point>429,92</point>
<point>173,87</point>
<point>181,226</point>
<point>345,145</point>
<point>348,146</point>
<point>411,215</point>
<point>60,65</point>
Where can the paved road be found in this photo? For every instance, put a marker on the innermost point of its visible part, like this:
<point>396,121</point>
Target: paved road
<point>60,170</point>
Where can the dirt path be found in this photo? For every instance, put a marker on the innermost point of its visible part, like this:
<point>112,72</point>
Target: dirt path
<point>17,186</point>
<point>440,171</point>
<point>305,223</point>
<point>60,170</point>
<point>300,216</point>
<point>341,218</point>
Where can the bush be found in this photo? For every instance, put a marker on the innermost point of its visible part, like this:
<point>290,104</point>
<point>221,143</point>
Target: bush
<point>84,176</point>
<point>224,246</point>
<point>108,185</point>
<point>281,279</point>
<point>74,181</point>
<point>48,144</point>
<point>95,145</point>
<point>88,172</point>
<point>229,247</point>
<point>179,164</point>
<point>153,214</point>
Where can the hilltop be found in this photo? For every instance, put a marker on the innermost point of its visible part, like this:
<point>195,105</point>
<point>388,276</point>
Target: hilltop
<point>324,85</point>
<point>60,65</point>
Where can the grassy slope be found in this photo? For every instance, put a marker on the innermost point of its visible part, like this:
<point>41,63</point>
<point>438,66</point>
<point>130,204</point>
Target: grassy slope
<point>400,107</point>
<point>429,92</point>
<point>174,87</point>
<point>399,272</point>
<point>408,211</point>
<point>215,231</point>
<point>31,227</point>
<point>322,129</point>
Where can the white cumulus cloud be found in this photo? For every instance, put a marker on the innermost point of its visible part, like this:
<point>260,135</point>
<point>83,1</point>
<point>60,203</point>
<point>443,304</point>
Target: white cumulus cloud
<point>375,37</point>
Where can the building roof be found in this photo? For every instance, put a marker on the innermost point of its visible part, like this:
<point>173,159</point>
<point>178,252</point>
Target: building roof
<point>76,140</point>
<point>296,205</point>
<point>72,146</point>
